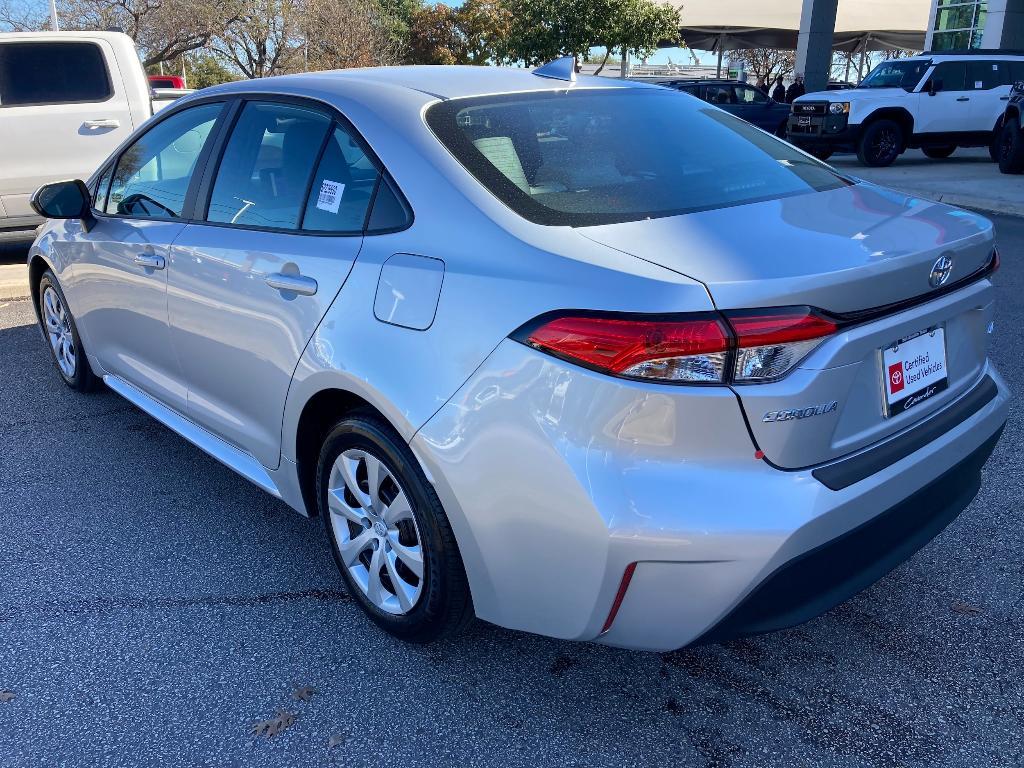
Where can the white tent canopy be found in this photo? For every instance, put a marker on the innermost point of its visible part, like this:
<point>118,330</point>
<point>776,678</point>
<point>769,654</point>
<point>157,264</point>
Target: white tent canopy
<point>715,25</point>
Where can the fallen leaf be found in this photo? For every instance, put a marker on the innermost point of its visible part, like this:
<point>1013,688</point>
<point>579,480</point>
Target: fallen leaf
<point>275,725</point>
<point>966,608</point>
<point>6,696</point>
<point>304,693</point>
<point>336,740</point>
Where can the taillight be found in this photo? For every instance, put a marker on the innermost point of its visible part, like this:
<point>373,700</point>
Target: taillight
<point>707,348</point>
<point>769,343</point>
<point>687,349</point>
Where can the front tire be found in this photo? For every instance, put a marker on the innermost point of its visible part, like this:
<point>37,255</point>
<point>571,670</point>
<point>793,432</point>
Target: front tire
<point>881,143</point>
<point>61,332</point>
<point>939,153</point>
<point>389,534</point>
<point>1011,149</point>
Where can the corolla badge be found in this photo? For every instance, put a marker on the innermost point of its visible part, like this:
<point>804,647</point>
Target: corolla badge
<point>941,270</point>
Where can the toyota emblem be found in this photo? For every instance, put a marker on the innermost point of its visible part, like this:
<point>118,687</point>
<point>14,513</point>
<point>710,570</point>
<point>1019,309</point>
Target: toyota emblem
<point>941,270</point>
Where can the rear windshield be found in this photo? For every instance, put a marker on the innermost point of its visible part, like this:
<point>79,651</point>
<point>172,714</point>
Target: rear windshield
<point>601,156</point>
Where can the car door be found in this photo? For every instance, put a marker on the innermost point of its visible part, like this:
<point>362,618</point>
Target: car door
<point>120,276</point>
<point>283,225</point>
<point>63,108</point>
<point>988,83</point>
<point>755,107</point>
<point>948,110</point>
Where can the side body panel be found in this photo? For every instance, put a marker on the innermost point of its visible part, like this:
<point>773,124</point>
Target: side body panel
<point>239,338</point>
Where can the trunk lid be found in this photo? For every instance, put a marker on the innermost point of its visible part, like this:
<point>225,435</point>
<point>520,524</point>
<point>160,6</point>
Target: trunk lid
<point>842,251</point>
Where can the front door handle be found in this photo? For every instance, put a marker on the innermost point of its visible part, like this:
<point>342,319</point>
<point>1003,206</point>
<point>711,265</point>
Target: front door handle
<point>106,122</point>
<point>306,286</point>
<point>964,98</point>
<point>150,261</point>
<point>1004,98</point>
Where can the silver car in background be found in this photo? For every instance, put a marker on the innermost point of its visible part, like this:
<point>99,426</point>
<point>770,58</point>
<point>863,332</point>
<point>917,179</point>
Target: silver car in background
<point>586,358</point>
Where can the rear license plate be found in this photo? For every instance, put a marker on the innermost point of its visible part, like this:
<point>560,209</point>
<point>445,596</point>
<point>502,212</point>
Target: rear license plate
<point>914,370</point>
<point>803,121</point>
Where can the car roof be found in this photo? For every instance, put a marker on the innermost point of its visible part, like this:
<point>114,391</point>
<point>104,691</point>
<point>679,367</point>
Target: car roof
<point>443,82</point>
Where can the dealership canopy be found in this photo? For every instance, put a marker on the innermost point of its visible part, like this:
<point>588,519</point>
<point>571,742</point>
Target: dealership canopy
<point>717,25</point>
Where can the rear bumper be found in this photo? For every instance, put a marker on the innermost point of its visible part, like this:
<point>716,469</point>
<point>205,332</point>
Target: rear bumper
<point>557,479</point>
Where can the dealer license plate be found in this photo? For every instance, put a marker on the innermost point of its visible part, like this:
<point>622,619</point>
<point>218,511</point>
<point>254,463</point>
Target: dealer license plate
<point>914,370</point>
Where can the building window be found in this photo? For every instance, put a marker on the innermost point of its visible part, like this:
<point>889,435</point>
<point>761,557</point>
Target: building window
<point>959,24</point>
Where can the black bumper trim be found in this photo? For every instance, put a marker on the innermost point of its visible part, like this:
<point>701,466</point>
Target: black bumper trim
<point>846,472</point>
<point>818,580</point>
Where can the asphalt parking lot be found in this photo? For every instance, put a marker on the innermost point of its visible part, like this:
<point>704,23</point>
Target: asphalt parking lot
<point>154,607</point>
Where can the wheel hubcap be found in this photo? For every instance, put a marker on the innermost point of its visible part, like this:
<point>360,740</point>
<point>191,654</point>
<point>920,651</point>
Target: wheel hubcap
<point>58,330</point>
<point>375,531</point>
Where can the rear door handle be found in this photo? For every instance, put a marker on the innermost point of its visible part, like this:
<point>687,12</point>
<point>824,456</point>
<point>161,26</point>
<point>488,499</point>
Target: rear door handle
<point>964,98</point>
<point>106,122</point>
<point>305,286</point>
<point>1004,98</point>
<point>150,261</point>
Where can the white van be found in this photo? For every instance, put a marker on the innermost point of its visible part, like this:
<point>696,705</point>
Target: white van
<point>67,99</point>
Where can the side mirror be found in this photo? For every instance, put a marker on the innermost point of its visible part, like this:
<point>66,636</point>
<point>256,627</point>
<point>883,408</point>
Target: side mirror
<point>934,86</point>
<point>63,200</point>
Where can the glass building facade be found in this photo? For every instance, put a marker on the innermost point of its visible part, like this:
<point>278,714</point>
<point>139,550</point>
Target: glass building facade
<point>959,24</point>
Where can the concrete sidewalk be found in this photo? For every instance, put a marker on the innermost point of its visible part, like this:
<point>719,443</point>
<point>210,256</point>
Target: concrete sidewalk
<point>13,271</point>
<point>969,178</point>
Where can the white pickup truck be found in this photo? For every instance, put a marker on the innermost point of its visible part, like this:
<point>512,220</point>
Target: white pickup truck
<point>67,99</point>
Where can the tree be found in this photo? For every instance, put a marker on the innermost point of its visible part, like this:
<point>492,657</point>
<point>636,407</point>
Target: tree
<point>163,30</point>
<point>766,63</point>
<point>347,33</point>
<point>434,36</point>
<point>542,30</point>
<point>21,16</point>
<point>484,26</point>
<point>265,39</point>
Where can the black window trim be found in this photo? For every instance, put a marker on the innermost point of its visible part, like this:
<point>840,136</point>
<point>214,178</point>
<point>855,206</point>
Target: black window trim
<point>111,93</point>
<point>200,189</point>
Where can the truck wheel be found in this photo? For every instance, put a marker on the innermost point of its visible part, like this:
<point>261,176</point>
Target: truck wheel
<point>939,153</point>
<point>881,143</point>
<point>1011,149</point>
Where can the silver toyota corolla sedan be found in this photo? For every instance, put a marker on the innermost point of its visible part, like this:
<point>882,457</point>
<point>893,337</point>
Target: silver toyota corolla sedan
<point>587,358</point>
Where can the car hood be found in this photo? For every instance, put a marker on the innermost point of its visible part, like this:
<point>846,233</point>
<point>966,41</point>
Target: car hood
<point>857,247</point>
<point>856,94</point>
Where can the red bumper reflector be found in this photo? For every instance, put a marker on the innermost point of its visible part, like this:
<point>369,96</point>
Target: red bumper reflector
<point>627,576</point>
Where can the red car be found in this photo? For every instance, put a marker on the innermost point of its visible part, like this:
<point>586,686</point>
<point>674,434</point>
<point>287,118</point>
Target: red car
<point>166,81</point>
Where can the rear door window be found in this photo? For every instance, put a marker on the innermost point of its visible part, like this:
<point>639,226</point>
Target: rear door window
<point>154,173</point>
<point>267,168</point>
<point>342,187</point>
<point>52,73</point>
<point>983,75</point>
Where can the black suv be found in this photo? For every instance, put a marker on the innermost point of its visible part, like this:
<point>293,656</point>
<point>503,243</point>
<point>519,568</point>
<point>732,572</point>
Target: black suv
<point>740,99</point>
<point>1010,149</point>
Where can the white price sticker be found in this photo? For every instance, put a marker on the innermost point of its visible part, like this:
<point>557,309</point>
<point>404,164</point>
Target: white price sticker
<point>330,196</point>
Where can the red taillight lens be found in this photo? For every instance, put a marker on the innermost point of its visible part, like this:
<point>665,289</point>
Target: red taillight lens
<point>684,350</point>
<point>770,342</point>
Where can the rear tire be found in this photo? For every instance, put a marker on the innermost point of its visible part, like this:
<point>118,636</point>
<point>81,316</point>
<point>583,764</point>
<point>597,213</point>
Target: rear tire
<point>939,153</point>
<point>880,144</point>
<point>388,532</point>
<point>994,146</point>
<point>1011,149</point>
<point>61,333</point>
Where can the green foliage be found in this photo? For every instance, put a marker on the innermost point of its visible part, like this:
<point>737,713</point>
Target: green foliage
<point>542,30</point>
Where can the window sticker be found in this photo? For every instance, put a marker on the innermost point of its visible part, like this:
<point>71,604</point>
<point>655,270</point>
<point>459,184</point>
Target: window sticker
<point>329,198</point>
<point>978,84</point>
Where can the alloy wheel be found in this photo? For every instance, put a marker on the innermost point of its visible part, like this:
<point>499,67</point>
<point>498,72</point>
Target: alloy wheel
<point>884,144</point>
<point>58,331</point>
<point>375,530</point>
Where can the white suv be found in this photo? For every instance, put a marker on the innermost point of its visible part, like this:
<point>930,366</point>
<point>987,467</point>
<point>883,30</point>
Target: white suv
<point>935,101</point>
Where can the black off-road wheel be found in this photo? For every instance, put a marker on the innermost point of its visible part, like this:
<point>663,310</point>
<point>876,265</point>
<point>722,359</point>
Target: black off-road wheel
<point>880,144</point>
<point>1011,149</point>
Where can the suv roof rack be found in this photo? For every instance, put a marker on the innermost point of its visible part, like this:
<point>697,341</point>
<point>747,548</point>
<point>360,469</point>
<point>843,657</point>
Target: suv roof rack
<point>974,52</point>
